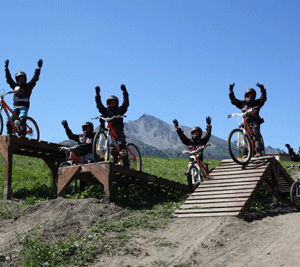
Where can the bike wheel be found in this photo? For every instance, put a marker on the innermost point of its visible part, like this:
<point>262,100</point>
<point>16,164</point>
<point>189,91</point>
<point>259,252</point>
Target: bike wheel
<point>32,129</point>
<point>65,164</point>
<point>1,124</point>
<point>194,178</point>
<point>239,147</point>
<point>100,147</point>
<point>295,194</point>
<point>134,155</point>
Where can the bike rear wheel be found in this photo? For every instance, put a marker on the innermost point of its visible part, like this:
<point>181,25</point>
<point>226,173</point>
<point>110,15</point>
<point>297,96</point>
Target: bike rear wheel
<point>194,178</point>
<point>295,194</point>
<point>239,147</point>
<point>1,124</point>
<point>100,147</point>
<point>134,155</point>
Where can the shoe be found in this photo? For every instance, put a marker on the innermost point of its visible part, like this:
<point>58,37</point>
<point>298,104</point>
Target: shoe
<point>245,156</point>
<point>257,155</point>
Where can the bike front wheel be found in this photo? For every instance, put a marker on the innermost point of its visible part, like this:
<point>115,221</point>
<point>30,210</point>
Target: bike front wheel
<point>194,178</point>
<point>134,156</point>
<point>100,147</point>
<point>32,129</point>
<point>295,194</point>
<point>239,147</point>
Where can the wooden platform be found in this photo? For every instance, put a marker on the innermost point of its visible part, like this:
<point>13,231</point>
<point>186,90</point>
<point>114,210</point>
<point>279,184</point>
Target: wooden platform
<point>107,173</point>
<point>230,190</point>
<point>49,152</point>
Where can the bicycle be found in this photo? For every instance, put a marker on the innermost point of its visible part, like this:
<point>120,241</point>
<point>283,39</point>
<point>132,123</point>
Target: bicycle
<point>32,129</point>
<point>107,137</point>
<point>241,145</point>
<point>197,170</point>
<point>71,160</point>
<point>295,190</point>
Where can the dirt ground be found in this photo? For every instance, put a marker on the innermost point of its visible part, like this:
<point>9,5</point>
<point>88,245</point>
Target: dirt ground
<point>271,239</point>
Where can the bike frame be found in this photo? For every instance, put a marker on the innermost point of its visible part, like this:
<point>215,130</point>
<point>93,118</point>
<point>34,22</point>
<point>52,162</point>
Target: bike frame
<point>247,131</point>
<point>200,166</point>
<point>71,156</point>
<point>114,137</point>
<point>6,108</point>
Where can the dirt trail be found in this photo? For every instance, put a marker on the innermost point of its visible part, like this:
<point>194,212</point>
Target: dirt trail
<point>272,240</point>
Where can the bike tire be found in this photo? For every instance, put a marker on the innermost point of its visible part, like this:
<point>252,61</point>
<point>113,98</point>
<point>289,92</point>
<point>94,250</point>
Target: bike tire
<point>193,178</point>
<point>100,147</point>
<point>65,164</point>
<point>35,133</point>
<point>1,124</point>
<point>295,194</point>
<point>134,155</point>
<point>238,144</point>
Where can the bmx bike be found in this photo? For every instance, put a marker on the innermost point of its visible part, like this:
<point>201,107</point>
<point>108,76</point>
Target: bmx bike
<point>197,170</point>
<point>295,189</point>
<point>32,129</point>
<point>107,138</point>
<point>241,144</point>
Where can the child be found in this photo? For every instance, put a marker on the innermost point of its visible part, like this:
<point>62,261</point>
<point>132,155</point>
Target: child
<point>22,94</point>
<point>111,110</point>
<point>196,141</point>
<point>294,157</point>
<point>254,119</point>
<point>85,140</point>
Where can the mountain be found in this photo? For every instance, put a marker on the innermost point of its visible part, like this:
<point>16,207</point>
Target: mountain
<point>152,135</point>
<point>155,137</point>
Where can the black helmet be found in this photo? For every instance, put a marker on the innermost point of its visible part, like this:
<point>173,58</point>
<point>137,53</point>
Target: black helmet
<point>196,133</point>
<point>88,124</point>
<point>250,95</point>
<point>21,73</point>
<point>110,98</point>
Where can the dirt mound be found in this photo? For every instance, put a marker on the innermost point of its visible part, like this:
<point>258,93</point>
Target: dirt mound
<point>57,219</point>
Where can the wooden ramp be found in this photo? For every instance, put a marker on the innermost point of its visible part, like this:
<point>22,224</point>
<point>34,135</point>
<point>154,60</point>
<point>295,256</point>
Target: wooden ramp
<point>230,189</point>
<point>107,174</point>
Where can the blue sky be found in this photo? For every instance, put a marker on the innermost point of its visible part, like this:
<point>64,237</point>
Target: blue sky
<point>176,58</point>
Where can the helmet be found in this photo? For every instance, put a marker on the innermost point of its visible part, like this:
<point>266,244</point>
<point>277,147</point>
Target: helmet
<point>111,99</point>
<point>196,133</point>
<point>250,95</point>
<point>21,73</point>
<point>88,124</point>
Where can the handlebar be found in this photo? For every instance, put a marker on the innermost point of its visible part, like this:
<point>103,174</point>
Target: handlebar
<point>194,152</point>
<point>68,148</point>
<point>242,114</point>
<point>9,92</point>
<point>110,118</point>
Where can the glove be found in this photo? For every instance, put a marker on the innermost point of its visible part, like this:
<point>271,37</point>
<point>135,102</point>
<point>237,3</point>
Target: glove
<point>123,88</point>
<point>65,124</point>
<point>97,90</point>
<point>288,146</point>
<point>40,63</point>
<point>260,86</point>
<point>231,87</point>
<point>6,63</point>
<point>208,120</point>
<point>175,123</point>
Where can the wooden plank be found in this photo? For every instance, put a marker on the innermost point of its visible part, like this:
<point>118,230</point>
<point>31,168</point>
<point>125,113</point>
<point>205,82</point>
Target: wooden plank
<point>237,172</point>
<point>211,210</point>
<point>239,204</point>
<point>218,184</point>
<point>195,215</point>
<point>232,180</point>
<point>218,200</point>
<point>216,188</point>
<point>219,196</point>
